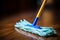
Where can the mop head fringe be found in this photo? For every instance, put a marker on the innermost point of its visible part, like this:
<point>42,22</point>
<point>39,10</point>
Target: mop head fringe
<point>45,31</point>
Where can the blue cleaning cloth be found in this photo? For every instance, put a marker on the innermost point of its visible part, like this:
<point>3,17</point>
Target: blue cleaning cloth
<point>45,31</point>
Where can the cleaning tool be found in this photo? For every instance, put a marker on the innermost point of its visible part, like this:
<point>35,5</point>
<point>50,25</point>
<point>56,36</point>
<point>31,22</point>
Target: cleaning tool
<point>33,28</point>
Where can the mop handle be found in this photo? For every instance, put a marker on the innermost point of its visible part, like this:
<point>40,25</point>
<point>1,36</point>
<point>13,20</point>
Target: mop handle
<point>41,8</point>
<point>39,12</point>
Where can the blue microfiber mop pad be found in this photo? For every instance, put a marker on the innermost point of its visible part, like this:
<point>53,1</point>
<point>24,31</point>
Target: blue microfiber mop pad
<point>45,31</point>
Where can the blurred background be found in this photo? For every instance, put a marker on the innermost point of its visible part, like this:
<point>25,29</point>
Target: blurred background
<point>14,10</point>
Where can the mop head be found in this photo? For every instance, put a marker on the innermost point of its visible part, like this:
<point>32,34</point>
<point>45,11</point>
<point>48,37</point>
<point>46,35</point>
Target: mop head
<point>45,31</point>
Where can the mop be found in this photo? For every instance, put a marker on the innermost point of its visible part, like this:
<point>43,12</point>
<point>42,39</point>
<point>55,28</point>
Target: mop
<point>33,28</point>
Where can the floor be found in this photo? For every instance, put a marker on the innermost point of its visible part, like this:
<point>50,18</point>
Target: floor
<point>8,32</point>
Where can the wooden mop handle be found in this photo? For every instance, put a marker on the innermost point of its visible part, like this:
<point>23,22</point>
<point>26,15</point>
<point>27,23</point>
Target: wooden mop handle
<point>41,8</point>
